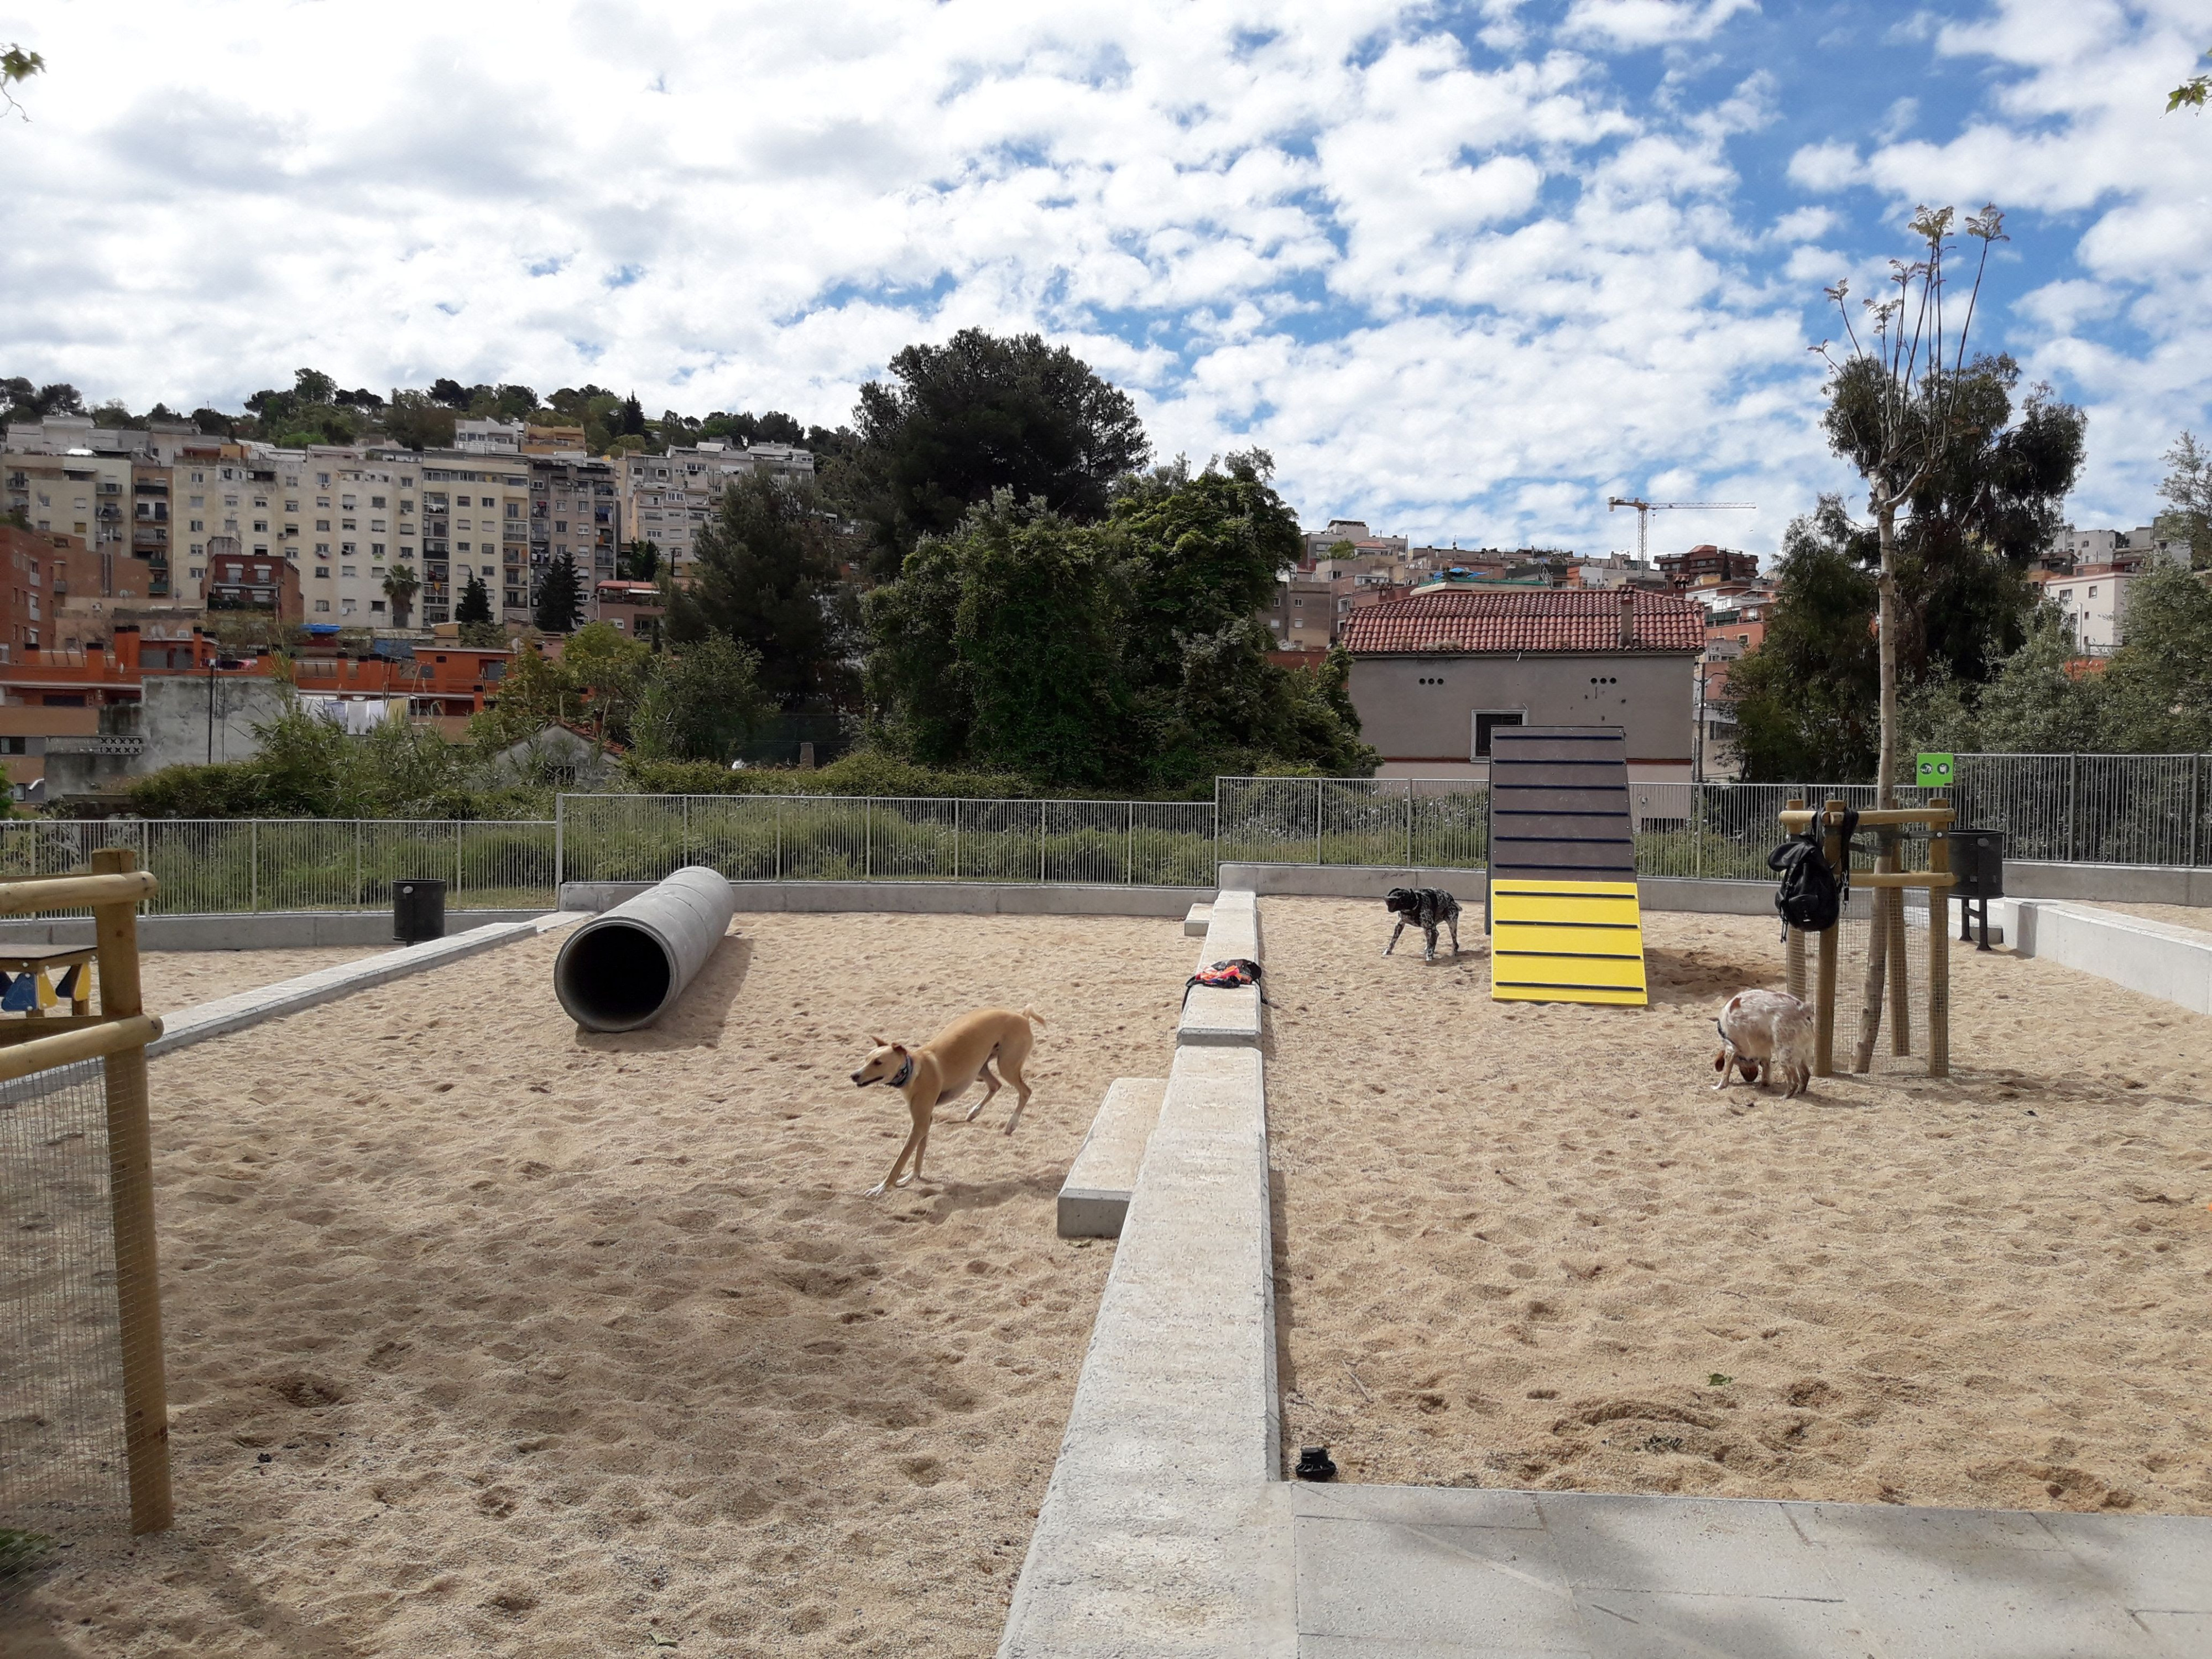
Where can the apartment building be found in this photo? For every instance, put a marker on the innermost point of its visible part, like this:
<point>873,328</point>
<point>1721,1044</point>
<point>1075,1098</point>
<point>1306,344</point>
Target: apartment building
<point>668,500</point>
<point>575,509</point>
<point>1705,565</point>
<point>2092,599</point>
<point>1355,531</point>
<point>78,494</point>
<point>476,521</point>
<point>487,437</point>
<point>238,580</point>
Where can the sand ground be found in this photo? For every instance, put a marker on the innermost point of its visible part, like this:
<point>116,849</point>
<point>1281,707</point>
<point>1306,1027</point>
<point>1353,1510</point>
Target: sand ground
<point>2180,915</point>
<point>486,1337</point>
<point>1525,1246</point>
<point>171,981</point>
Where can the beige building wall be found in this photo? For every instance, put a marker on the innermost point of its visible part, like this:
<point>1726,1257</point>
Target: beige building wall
<point>1422,712</point>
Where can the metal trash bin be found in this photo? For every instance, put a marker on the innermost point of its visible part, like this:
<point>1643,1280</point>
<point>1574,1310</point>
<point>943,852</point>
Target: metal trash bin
<point>418,910</point>
<point>1977,862</point>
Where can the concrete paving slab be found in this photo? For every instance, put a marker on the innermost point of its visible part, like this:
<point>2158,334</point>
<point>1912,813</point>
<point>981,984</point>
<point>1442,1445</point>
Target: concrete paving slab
<point>248,1008</point>
<point>1094,1201</point>
<point>1232,929</point>
<point>1426,1572</point>
<point>1194,921</point>
<point>1480,1587</point>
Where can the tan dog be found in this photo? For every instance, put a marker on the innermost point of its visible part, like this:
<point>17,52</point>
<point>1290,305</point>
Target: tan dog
<point>946,1067</point>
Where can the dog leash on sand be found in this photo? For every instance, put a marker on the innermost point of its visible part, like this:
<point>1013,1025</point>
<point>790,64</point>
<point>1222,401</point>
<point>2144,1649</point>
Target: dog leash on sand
<point>1228,975</point>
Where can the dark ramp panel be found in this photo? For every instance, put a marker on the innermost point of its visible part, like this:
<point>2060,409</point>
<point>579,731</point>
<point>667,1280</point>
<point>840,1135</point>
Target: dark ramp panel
<point>1564,923</point>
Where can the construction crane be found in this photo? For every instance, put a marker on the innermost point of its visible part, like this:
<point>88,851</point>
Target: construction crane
<point>1645,509</point>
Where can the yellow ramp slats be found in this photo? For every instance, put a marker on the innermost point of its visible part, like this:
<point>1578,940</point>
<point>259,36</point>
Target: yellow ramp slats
<point>1566,941</point>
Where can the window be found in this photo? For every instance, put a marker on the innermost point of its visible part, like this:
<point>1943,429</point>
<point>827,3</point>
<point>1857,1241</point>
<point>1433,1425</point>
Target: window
<point>1487,720</point>
<point>376,500</point>
<point>376,549</point>
<point>323,524</point>
<point>199,526</point>
<point>2093,592</point>
<point>291,507</point>
<point>199,478</point>
<point>261,526</point>
<point>196,501</point>
<point>195,569</point>
<point>489,569</point>
<point>324,571</point>
<point>347,502</point>
<point>14,745</point>
<point>375,605</point>
<point>322,604</point>
<point>346,570</point>
<point>376,524</point>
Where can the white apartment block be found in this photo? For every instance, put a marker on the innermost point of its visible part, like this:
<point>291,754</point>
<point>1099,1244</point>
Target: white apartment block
<point>2093,601</point>
<point>575,509</point>
<point>487,437</point>
<point>668,500</point>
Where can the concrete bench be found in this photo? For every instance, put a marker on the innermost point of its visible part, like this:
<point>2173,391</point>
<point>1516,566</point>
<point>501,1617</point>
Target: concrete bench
<point>2153,957</point>
<point>1218,1019</point>
<point>1154,1537</point>
<point>1096,1196</point>
<point>1195,922</point>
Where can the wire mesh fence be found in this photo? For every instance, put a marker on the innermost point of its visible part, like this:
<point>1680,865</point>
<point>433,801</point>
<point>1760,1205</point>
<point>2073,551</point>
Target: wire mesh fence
<point>1895,1040</point>
<point>63,1464</point>
<point>627,838</point>
<point>221,865</point>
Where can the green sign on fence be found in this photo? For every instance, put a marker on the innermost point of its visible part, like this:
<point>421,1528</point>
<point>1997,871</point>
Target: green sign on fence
<point>1936,772</point>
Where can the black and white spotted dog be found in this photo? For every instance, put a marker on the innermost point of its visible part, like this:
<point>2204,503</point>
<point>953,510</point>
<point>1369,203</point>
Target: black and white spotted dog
<point>1427,908</point>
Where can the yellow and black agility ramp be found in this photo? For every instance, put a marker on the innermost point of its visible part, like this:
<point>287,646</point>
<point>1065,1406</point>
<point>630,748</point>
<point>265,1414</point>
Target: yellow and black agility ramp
<point>1562,916</point>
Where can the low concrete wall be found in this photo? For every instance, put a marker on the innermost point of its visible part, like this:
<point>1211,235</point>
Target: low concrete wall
<point>954,898</point>
<point>1157,1538</point>
<point>267,930</point>
<point>246,1008</point>
<point>2115,883</point>
<point>2172,963</point>
<point>1211,1015</point>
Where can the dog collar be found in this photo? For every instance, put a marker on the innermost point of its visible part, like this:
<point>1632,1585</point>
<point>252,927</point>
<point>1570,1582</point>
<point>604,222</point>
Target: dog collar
<point>904,1072</point>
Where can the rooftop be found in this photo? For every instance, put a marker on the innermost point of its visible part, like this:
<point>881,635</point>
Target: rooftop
<point>1549,619</point>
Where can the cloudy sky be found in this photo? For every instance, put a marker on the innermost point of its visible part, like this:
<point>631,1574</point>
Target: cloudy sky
<point>1465,269</point>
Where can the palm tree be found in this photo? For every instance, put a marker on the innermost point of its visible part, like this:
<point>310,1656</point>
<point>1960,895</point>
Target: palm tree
<point>400,588</point>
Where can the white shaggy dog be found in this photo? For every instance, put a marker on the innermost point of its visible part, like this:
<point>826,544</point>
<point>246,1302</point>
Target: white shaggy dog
<point>1765,1032</point>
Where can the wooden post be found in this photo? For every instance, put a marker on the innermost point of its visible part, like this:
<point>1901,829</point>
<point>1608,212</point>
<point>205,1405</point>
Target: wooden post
<point>1900,989</point>
<point>1793,952</point>
<point>1824,1014</point>
<point>1877,962</point>
<point>130,1184</point>
<point>1939,952</point>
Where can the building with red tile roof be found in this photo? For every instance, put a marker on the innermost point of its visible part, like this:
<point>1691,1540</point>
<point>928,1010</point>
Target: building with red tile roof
<point>1432,676</point>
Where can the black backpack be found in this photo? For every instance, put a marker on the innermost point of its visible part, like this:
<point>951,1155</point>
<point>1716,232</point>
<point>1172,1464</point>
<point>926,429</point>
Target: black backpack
<point>1811,895</point>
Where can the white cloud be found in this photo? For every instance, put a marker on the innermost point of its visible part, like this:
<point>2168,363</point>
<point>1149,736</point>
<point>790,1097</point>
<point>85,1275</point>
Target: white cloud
<point>1826,166</point>
<point>1632,23</point>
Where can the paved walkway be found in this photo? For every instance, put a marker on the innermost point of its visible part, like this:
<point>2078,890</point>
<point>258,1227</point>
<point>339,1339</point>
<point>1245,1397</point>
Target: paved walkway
<point>1409,1572</point>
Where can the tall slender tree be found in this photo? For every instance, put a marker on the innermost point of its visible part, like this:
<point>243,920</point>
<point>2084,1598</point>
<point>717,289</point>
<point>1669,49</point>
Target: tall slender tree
<point>560,597</point>
<point>1894,410</point>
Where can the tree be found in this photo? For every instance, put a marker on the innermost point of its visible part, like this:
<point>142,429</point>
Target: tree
<point>560,597</point>
<point>702,702</point>
<point>400,587</point>
<point>981,414</point>
<point>450,393</point>
<point>762,573</point>
<point>416,421</point>
<point>476,603</point>
<point>17,64</point>
<point>1806,700</point>
<point>2192,92</point>
<point>640,562</point>
<point>1124,655</point>
<point>2158,687</point>
<point>1893,411</point>
<point>2189,487</point>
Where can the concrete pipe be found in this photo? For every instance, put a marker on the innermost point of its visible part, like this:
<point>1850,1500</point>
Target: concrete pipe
<point>625,969</point>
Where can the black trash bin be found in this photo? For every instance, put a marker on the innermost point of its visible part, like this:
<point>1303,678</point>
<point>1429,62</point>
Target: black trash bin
<point>1977,862</point>
<point>418,910</point>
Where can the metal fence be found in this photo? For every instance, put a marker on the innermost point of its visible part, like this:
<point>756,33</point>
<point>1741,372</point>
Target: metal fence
<point>862,838</point>
<point>224,865</point>
<point>2078,809</point>
<point>2086,809</point>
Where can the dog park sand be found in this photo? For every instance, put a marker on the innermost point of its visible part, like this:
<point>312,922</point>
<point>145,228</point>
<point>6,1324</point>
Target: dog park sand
<point>488,1337</point>
<point>2176,916</point>
<point>172,981</point>
<point>1520,1245</point>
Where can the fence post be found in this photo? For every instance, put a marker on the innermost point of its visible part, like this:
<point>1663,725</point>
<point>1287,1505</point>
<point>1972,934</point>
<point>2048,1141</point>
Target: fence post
<point>130,1189</point>
<point>1697,831</point>
<point>2195,811</point>
<point>1409,824</point>
<point>779,838</point>
<point>1041,811</point>
<point>253,868</point>
<point>456,860</point>
<point>560,848</point>
<point>357,864</point>
<point>955,837</point>
<point>1129,865</point>
<point>2072,808</point>
<point>1317,820</point>
<point>868,837</point>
